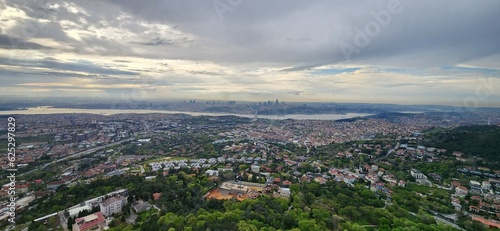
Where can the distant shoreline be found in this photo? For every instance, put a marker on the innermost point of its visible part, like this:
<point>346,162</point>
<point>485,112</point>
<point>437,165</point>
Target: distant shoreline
<point>12,109</point>
<point>51,110</point>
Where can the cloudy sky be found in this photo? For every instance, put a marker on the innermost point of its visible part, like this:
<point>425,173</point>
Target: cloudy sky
<point>397,51</point>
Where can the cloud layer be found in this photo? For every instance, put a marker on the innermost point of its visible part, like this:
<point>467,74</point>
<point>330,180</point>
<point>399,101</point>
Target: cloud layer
<point>393,51</point>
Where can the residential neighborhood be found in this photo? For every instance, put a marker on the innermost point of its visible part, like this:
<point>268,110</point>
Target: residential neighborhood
<point>244,159</point>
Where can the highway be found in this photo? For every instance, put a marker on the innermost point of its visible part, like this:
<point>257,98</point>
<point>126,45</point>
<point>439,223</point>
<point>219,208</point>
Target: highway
<point>86,152</point>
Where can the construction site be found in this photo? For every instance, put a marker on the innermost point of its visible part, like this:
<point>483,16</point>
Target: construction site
<point>238,190</point>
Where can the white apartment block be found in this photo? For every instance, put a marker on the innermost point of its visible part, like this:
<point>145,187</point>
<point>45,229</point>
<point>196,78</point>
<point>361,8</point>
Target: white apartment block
<point>112,205</point>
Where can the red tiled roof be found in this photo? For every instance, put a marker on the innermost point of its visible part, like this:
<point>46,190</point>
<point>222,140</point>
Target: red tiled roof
<point>455,183</point>
<point>92,223</point>
<point>477,198</point>
<point>156,196</point>
<point>40,193</point>
<point>486,222</point>
<point>55,183</point>
<point>320,179</point>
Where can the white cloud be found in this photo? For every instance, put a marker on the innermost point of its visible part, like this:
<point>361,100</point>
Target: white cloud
<point>194,54</point>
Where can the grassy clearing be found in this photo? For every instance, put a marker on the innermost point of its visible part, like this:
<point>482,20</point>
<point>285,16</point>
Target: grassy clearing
<point>424,189</point>
<point>167,158</point>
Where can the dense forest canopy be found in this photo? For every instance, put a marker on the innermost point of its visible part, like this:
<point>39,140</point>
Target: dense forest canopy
<point>482,141</point>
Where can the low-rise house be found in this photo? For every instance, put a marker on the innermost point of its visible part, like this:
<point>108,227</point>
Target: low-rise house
<point>488,223</point>
<point>305,178</point>
<point>255,168</point>
<point>95,221</point>
<point>212,173</point>
<point>320,180</point>
<point>475,186</point>
<point>284,192</point>
<point>486,206</point>
<point>435,176</point>
<point>349,179</point>
<point>476,198</point>
<point>22,188</point>
<point>141,206</point>
<point>474,209</point>
<point>372,178</point>
<point>456,204</point>
<point>417,174</point>
<point>461,191</point>
<point>53,185</point>
<point>39,194</point>
<point>486,185</point>
<point>390,179</point>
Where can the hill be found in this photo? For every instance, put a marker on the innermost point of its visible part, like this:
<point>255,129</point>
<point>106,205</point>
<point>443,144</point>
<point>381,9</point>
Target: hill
<point>480,140</point>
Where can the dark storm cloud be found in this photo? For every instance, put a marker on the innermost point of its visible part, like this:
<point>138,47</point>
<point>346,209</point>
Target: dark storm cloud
<point>53,64</point>
<point>157,42</point>
<point>435,33</point>
<point>9,42</point>
<point>298,34</point>
<point>84,66</point>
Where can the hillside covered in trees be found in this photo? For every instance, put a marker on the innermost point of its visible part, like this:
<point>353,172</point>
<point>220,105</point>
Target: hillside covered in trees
<point>481,141</point>
<point>332,206</point>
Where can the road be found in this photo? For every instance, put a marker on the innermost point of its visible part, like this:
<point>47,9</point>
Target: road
<point>439,219</point>
<point>63,221</point>
<point>446,222</point>
<point>388,153</point>
<point>86,152</point>
<point>307,147</point>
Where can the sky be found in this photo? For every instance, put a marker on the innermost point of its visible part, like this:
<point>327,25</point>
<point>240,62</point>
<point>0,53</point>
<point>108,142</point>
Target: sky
<point>388,51</point>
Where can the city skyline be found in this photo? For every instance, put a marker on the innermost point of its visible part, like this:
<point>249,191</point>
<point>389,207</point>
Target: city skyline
<point>398,52</point>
